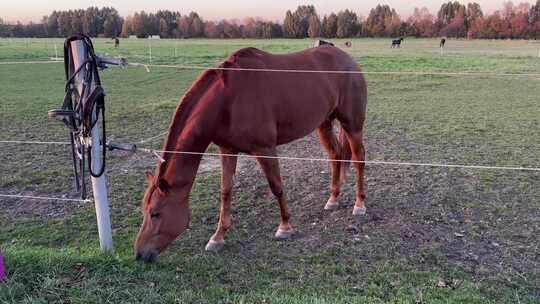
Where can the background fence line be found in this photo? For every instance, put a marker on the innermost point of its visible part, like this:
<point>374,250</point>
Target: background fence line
<point>46,198</point>
<point>203,68</point>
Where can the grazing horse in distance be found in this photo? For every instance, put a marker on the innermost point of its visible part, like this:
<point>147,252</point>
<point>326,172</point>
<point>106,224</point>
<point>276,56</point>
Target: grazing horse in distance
<point>253,112</point>
<point>443,42</point>
<point>397,42</point>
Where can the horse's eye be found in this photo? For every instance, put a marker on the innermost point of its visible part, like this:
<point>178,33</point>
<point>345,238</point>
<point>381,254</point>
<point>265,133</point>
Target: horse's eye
<point>154,215</point>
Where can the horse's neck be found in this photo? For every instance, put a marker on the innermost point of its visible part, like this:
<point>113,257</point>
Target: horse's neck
<point>190,134</point>
<point>181,167</point>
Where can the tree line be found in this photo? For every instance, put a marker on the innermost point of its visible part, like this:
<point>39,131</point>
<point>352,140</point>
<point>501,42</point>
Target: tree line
<point>452,20</point>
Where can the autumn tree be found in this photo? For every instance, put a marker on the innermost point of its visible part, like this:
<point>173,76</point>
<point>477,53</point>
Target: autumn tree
<point>139,24</point>
<point>249,30</point>
<point>474,11</point>
<point>197,25</point>
<point>329,26</point>
<point>452,18</point>
<point>347,24</point>
<point>163,28</point>
<point>90,21</point>
<point>77,25</point>
<point>231,30</point>
<point>382,21</point>
<point>534,20</point>
<point>314,26</point>
<point>169,18</point>
<point>126,28</point>
<point>422,23</point>
<point>302,16</point>
<point>519,21</point>
<point>289,30</point>
<point>296,24</point>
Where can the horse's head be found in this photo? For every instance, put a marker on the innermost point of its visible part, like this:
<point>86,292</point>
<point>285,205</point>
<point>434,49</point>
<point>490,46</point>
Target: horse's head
<point>166,215</point>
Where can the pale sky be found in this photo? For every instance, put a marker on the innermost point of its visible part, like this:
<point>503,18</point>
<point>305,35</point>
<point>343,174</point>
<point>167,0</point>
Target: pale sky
<point>33,10</point>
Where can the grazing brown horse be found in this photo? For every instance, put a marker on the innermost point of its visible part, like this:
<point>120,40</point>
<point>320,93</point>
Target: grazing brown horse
<point>253,112</point>
<point>443,42</point>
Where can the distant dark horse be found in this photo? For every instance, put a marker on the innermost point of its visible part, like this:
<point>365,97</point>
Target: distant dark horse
<point>397,42</point>
<point>116,42</point>
<point>321,43</point>
<point>443,42</point>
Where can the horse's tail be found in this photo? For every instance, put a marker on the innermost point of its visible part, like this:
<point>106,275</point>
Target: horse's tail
<point>346,154</point>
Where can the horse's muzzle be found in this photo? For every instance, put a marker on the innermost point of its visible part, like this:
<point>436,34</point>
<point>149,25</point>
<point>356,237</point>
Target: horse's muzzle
<point>146,257</point>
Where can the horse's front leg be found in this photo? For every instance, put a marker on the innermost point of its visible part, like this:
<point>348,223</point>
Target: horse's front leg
<point>228,168</point>
<point>270,166</point>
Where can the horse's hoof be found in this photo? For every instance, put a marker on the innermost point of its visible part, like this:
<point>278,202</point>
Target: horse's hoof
<point>358,211</point>
<point>331,206</point>
<point>214,246</point>
<point>284,234</point>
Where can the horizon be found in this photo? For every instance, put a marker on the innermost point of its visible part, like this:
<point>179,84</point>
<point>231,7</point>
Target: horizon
<point>234,9</point>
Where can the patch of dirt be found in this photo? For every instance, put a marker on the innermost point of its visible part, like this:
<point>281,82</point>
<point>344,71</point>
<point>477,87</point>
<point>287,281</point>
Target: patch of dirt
<point>433,215</point>
<point>17,208</point>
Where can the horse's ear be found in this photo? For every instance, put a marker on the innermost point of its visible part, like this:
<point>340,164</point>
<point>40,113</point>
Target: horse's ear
<point>162,185</point>
<point>149,177</point>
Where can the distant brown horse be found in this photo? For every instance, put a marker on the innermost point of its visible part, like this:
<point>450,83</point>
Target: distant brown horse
<point>443,42</point>
<point>253,112</point>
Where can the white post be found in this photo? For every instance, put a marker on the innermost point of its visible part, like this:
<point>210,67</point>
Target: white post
<point>150,50</point>
<point>99,185</point>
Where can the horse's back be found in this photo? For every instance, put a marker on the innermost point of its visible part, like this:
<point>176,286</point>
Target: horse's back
<point>289,105</point>
<point>325,56</point>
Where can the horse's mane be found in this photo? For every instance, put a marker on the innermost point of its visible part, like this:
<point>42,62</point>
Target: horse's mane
<point>192,97</point>
<point>182,114</point>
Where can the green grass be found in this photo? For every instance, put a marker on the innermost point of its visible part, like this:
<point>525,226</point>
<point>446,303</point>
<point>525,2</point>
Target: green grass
<point>51,249</point>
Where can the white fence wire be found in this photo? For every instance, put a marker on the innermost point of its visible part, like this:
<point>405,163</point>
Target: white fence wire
<point>288,158</point>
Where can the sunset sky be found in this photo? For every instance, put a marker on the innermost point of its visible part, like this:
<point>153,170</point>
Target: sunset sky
<point>33,10</point>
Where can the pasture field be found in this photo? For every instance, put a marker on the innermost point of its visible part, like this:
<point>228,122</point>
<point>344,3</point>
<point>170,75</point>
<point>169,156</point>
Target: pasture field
<point>431,235</point>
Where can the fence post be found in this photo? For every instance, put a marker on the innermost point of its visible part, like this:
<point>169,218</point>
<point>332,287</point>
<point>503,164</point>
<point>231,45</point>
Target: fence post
<point>99,185</point>
<point>2,271</point>
<point>150,50</point>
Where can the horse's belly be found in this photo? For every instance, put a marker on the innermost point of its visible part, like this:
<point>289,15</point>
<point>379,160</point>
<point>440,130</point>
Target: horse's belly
<point>297,127</point>
<point>266,116</point>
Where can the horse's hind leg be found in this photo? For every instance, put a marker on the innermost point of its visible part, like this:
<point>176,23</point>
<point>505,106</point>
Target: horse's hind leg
<point>331,144</point>
<point>228,168</point>
<point>359,155</point>
<point>270,167</point>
